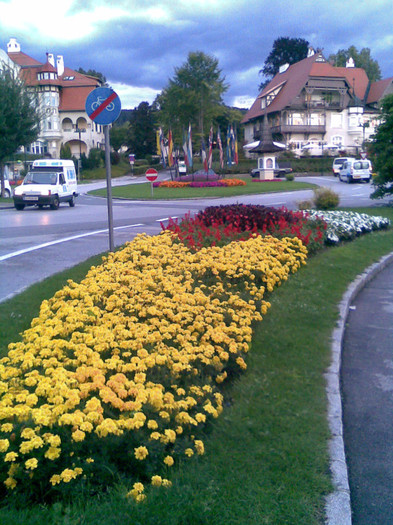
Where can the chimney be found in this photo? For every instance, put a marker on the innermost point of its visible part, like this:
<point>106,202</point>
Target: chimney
<point>60,65</point>
<point>51,59</point>
<point>13,46</point>
<point>350,62</point>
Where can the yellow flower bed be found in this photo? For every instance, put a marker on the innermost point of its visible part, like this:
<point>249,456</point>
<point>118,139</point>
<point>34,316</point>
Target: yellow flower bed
<point>123,369</point>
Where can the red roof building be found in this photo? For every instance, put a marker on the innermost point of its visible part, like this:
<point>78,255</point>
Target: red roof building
<point>315,107</point>
<point>62,94</point>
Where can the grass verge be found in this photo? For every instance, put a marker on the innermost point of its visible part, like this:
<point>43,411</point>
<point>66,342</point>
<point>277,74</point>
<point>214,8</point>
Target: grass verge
<point>143,191</point>
<point>266,458</point>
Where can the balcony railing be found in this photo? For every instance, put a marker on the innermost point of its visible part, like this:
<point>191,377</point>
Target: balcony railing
<point>293,128</point>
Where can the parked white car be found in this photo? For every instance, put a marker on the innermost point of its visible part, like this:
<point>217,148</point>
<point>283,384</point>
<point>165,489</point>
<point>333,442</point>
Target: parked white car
<point>182,167</point>
<point>48,183</point>
<point>7,187</point>
<point>356,170</point>
<point>338,164</point>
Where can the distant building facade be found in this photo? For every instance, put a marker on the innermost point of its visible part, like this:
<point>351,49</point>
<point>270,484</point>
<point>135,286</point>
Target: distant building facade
<point>317,108</point>
<point>61,93</point>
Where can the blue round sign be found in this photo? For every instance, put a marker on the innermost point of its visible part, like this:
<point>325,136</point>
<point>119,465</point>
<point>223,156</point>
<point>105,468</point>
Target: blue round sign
<point>103,105</point>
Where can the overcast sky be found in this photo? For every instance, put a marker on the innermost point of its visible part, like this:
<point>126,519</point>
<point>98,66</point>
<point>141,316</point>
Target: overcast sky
<point>137,44</point>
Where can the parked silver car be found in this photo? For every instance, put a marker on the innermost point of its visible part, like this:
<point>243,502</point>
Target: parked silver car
<point>356,170</point>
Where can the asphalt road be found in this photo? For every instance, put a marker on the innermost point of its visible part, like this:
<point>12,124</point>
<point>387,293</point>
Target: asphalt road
<point>35,244</point>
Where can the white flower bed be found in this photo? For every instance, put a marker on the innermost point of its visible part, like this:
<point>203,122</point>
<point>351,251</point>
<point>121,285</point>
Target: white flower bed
<point>346,225</point>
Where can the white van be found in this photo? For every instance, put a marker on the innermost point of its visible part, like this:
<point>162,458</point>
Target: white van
<point>355,170</point>
<point>48,183</point>
<point>7,187</point>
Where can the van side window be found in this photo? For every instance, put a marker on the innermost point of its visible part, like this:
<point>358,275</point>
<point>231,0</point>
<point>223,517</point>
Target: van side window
<point>61,179</point>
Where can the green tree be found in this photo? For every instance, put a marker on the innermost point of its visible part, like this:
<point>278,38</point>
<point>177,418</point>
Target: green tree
<point>381,150</point>
<point>141,138</point>
<point>285,51</point>
<point>94,73</point>
<point>193,95</point>
<point>19,118</point>
<point>361,58</point>
<point>119,136</point>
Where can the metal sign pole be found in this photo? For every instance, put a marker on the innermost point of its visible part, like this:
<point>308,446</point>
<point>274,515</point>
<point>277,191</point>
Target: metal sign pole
<point>109,187</point>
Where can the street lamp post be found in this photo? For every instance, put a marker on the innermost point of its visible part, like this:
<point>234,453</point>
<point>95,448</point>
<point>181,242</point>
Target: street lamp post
<point>79,131</point>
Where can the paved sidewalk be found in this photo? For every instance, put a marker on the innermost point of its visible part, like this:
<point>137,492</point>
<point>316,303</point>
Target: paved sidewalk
<point>367,395</point>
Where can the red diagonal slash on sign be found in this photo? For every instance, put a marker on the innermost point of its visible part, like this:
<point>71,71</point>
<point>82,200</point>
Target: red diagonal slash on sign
<point>102,106</point>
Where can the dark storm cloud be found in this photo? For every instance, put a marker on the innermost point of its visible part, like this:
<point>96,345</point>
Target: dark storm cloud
<point>144,52</point>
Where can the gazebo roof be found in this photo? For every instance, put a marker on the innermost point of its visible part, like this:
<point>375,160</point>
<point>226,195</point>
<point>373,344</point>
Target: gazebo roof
<point>266,145</point>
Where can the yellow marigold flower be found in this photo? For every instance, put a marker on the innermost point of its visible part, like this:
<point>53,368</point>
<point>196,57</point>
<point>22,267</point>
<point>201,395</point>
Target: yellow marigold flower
<point>10,483</point>
<point>199,447</point>
<point>4,444</point>
<point>169,461</point>
<point>55,479</point>
<point>152,424</point>
<point>156,481</point>
<point>140,498</point>
<point>78,435</point>
<point>189,452</point>
<point>11,456</point>
<point>166,483</point>
<point>27,433</point>
<point>31,463</point>
<point>52,453</point>
<point>7,427</point>
<point>89,460</point>
<point>141,453</point>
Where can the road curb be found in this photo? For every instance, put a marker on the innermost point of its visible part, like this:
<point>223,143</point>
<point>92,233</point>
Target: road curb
<point>338,504</point>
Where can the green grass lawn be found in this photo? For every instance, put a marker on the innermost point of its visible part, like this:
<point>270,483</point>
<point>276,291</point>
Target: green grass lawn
<point>143,191</point>
<point>266,458</point>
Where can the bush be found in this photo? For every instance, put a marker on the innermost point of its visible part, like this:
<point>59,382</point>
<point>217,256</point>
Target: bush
<point>326,199</point>
<point>289,176</point>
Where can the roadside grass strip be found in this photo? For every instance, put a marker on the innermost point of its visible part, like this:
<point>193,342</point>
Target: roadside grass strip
<point>119,377</point>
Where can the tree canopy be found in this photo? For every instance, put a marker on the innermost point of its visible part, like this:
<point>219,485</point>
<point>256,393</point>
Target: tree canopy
<point>361,58</point>
<point>94,73</point>
<point>194,94</point>
<point>381,150</point>
<point>19,118</point>
<point>285,51</point>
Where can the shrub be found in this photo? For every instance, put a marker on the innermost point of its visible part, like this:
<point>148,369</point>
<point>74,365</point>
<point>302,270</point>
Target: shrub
<point>289,176</point>
<point>326,199</point>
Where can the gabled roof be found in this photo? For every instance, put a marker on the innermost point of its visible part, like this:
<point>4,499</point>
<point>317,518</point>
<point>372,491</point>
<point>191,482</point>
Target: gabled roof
<point>74,99</point>
<point>357,79</point>
<point>296,77</point>
<point>23,60</point>
<point>379,89</point>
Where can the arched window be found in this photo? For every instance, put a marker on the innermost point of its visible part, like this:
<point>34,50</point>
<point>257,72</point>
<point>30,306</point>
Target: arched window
<point>67,124</point>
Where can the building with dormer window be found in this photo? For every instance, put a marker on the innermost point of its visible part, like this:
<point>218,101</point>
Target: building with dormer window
<point>61,94</point>
<point>314,107</point>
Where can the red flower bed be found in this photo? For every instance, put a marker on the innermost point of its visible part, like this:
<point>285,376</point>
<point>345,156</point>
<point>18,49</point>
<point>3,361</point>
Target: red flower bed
<point>218,225</point>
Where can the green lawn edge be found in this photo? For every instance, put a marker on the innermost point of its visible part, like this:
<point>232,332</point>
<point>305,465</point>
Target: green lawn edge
<point>266,457</point>
<point>143,190</point>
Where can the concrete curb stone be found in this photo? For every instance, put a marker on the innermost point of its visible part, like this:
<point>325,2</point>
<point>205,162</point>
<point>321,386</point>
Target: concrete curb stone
<point>338,504</point>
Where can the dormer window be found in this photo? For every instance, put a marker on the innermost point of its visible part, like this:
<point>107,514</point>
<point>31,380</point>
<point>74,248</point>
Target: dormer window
<point>46,76</point>
<point>268,98</point>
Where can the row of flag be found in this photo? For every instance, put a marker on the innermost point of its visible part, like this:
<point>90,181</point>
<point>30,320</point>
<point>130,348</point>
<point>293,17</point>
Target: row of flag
<point>165,148</point>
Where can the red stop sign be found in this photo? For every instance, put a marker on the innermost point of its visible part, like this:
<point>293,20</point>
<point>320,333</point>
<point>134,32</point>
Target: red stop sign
<point>151,174</point>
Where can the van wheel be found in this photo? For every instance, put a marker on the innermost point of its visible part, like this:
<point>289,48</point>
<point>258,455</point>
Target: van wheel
<point>7,194</point>
<point>55,203</point>
<point>71,202</point>
<point>19,206</point>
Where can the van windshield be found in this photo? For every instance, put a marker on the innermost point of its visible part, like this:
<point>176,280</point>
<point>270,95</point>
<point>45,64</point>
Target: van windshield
<point>38,177</point>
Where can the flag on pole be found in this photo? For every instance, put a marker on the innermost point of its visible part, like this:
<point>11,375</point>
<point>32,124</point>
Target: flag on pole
<point>185,149</point>
<point>229,148</point>
<point>158,142</point>
<point>210,154</point>
<point>162,148</point>
<point>204,159</point>
<point>235,152</point>
<point>170,148</point>
<point>220,148</point>
<point>189,145</point>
